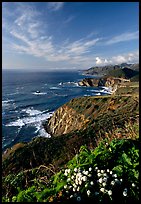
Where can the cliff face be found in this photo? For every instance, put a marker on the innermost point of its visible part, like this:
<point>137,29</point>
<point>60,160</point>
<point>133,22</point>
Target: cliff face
<point>80,112</point>
<point>65,120</point>
<point>106,81</point>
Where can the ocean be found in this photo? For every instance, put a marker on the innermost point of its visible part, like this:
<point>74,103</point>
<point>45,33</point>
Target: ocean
<point>29,98</point>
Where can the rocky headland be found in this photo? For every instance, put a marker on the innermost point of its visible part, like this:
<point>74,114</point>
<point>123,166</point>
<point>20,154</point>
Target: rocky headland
<point>81,121</point>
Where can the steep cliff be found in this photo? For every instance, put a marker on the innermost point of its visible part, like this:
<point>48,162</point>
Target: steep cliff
<point>65,120</point>
<point>79,113</point>
<point>105,81</point>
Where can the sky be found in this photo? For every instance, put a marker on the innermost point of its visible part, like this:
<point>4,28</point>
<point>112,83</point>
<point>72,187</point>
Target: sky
<point>69,35</point>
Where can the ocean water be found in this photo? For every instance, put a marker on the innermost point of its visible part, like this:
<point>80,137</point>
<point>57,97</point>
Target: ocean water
<point>29,98</point>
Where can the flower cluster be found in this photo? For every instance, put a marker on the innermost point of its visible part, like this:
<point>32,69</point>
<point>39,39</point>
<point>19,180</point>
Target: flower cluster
<point>92,182</point>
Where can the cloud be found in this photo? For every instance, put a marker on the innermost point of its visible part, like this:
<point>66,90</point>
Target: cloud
<point>69,19</point>
<point>132,57</point>
<point>55,6</point>
<point>28,34</point>
<point>123,37</point>
<point>30,38</point>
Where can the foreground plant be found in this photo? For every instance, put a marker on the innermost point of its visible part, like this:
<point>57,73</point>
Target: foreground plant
<point>107,174</point>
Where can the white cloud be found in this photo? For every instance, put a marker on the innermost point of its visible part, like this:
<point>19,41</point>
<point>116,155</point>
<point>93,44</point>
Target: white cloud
<point>28,35</point>
<point>98,61</point>
<point>69,19</point>
<point>55,6</point>
<point>123,37</point>
<point>128,58</point>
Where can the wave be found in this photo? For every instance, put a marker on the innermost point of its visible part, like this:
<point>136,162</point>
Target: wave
<point>7,102</point>
<point>31,111</point>
<point>87,95</point>
<point>54,87</point>
<point>30,120</point>
<point>11,94</point>
<point>41,93</point>
<point>97,94</point>
<point>35,119</point>
<point>68,83</point>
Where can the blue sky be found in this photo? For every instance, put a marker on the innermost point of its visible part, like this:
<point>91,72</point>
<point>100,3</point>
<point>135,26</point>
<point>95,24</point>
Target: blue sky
<point>69,35</point>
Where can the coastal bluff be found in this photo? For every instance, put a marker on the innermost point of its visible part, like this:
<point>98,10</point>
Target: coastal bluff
<point>111,82</point>
<point>80,113</point>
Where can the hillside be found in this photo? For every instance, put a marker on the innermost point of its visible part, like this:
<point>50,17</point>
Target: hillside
<point>126,73</point>
<point>122,70</point>
<point>81,121</point>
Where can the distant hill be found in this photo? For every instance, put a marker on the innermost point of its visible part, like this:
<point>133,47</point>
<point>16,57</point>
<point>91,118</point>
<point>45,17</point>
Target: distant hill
<point>126,73</point>
<point>123,70</point>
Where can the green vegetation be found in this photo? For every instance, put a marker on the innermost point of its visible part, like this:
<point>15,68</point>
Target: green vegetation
<point>107,174</point>
<point>98,164</point>
<point>123,73</point>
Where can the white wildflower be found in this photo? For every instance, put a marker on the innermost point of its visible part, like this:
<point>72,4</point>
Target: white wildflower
<point>76,181</point>
<point>74,189</point>
<point>86,172</point>
<point>114,175</point>
<point>75,169</point>
<point>133,185</point>
<point>105,174</point>
<point>104,184</point>
<point>102,190</point>
<point>68,179</point>
<point>89,175</point>
<point>90,169</point>
<point>88,192</point>
<point>100,180</point>
<point>108,170</point>
<point>71,196</point>
<point>110,192</point>
<point>72,177</point>
<point>92,183</point>
<point>78,188</point>
<point>112,183</point>
<point>84,178</point>
<point>68,171</point>
<point>65,186</point>
<point>96,168</point>
<point>65,173</point>
<point>121,180</point>
<point>105,179</point>
<point>102,171</point>
<point>117,181</point>
<point>111,172</point>
<point>99,174</point>
<point>78,198</point>
<point>80,182</point>
<point>74,185</point>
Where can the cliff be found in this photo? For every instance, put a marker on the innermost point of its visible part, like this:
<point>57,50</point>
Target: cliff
<point>105,81</point>
<point>81,121</point>
<point>65,120</point>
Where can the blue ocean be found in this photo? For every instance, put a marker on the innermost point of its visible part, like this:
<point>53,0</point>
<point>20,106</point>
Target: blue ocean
<point>29,98</point>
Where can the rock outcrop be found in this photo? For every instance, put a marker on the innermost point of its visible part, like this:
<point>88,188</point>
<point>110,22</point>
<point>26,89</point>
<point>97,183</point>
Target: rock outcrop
<point>110,82</point>
<point>65,120</point>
